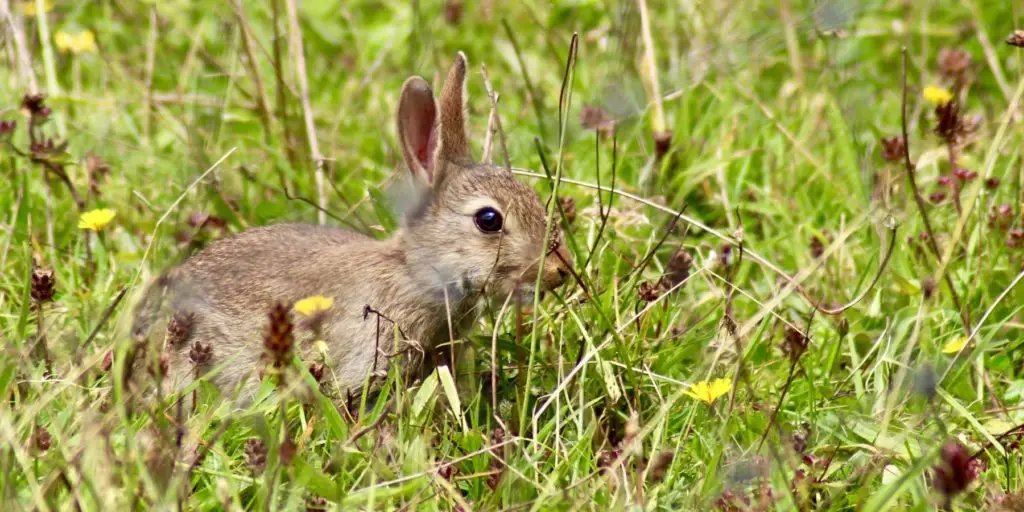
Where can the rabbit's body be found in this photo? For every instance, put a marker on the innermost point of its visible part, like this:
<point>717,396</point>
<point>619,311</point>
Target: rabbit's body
<point>475,231</point>
<point>229,287</point>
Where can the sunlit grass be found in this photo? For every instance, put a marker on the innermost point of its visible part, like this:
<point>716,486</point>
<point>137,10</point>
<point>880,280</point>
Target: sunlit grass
<point>685,369</point>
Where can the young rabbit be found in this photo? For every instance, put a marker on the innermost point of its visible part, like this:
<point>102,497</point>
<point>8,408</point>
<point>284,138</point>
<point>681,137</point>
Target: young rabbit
<point>474,232</point>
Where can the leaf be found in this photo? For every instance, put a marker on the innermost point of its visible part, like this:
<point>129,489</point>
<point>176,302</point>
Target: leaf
<point>614,393</point>
<point>883,498</point>
<point>424,395</point>
<point>452,394</point>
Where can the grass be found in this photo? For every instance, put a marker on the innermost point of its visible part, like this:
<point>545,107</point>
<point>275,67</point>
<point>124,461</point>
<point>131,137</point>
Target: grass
<point>776,173</point>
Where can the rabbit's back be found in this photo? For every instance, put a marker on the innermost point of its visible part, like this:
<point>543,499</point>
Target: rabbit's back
<point>227,289</point>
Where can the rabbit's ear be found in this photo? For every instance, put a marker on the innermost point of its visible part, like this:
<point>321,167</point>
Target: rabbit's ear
<point>454,144</point>
<point>417,127</point>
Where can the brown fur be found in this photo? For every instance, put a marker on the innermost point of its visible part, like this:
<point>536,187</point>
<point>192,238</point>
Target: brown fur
<point>438,263</point>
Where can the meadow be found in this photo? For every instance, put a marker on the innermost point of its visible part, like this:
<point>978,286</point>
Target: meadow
<point>797,231</point>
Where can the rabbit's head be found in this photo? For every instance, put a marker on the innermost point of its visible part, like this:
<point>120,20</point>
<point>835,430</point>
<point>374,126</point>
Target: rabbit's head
<point>476,228</point>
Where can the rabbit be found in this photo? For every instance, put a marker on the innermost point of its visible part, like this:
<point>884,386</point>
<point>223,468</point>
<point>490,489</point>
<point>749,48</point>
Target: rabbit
<point>475,232</point>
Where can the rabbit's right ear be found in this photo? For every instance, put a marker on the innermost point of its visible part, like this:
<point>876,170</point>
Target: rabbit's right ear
<point>417,127</point>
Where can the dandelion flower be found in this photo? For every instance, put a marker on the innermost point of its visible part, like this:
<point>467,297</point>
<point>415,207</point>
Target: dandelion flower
<point>28,7</point>
<point>315,305</point>
<point>96,219</point>
<point>82,42</point>
<point>955,345</point>
<point>937,95</point>
<point>709,391</point>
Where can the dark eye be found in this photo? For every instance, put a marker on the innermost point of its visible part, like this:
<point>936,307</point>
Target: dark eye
<point>488,220</point>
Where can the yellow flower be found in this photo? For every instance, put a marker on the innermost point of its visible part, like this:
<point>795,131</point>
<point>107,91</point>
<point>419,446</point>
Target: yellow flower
<point>82,42</point>
<point>314,305</point>
<point>954,345</point>
<point>29,7</point>
<point>708,392</point>
<point>937,95</point>
<point>96,219</point>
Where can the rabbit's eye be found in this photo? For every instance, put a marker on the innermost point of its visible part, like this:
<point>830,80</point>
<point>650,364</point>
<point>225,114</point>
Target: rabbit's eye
<point>488,220</point>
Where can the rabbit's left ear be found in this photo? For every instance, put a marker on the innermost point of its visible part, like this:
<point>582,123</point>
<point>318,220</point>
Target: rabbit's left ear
<point>417,128</point>
<point>453,146</point>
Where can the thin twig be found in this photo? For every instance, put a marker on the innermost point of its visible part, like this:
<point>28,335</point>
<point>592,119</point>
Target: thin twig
<point>604,213</point>
<point>299,54</point>
<point>535,98</point>
<point>21,49</point>
<point>147,121</point>
<point>282,104</point>
<point>650,61</point>
<point>497,118</point>
<point>254,70</point>
<point>921,207</point>
<point>492,129</point>
<point>106,315</point>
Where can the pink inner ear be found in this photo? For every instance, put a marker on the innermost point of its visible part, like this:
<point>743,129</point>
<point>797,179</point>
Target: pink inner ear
<point>426,138</point>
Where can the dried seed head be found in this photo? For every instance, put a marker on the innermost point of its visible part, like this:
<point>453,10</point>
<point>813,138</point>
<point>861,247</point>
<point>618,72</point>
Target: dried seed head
<point>1001,217</point>
<point>893,148</point>
<point>725,255</point>
<point>42,285</point>
<point>256,455</point>
<point>569,208</point>
<point>677,269</point>
<point>497,435</point>
<point>928,287</point>
<point>1015,238</point>
<point>317,371</point>
<point>953,62</point>
<point>317,504</point>
<point>817,246</point>
<point>159,369</point>
<point>1016,39</point>
<point>35,105</point>
<point>278,339</point>
<point>648,292</point>
<point>605,458</point>
<point>453,11</point>
<point>964,174</point>
<point>950,126</point>
<point>41,439</point>
<point>947,181</point>
<point>179,329</point>
<point>795,343</point>
<point>7,128</point>
<point>447,471</point>
<point>200,353</point>
<point>956,469</point>
<point>731,501</point>
<point>594,118</point>
<point>800,437</point>
<point>843,327</point>
<point>287,451</point>
<point>662,143</point>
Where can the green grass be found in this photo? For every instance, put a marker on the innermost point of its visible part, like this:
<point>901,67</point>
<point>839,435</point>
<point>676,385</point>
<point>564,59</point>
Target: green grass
<point>777,124</point>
